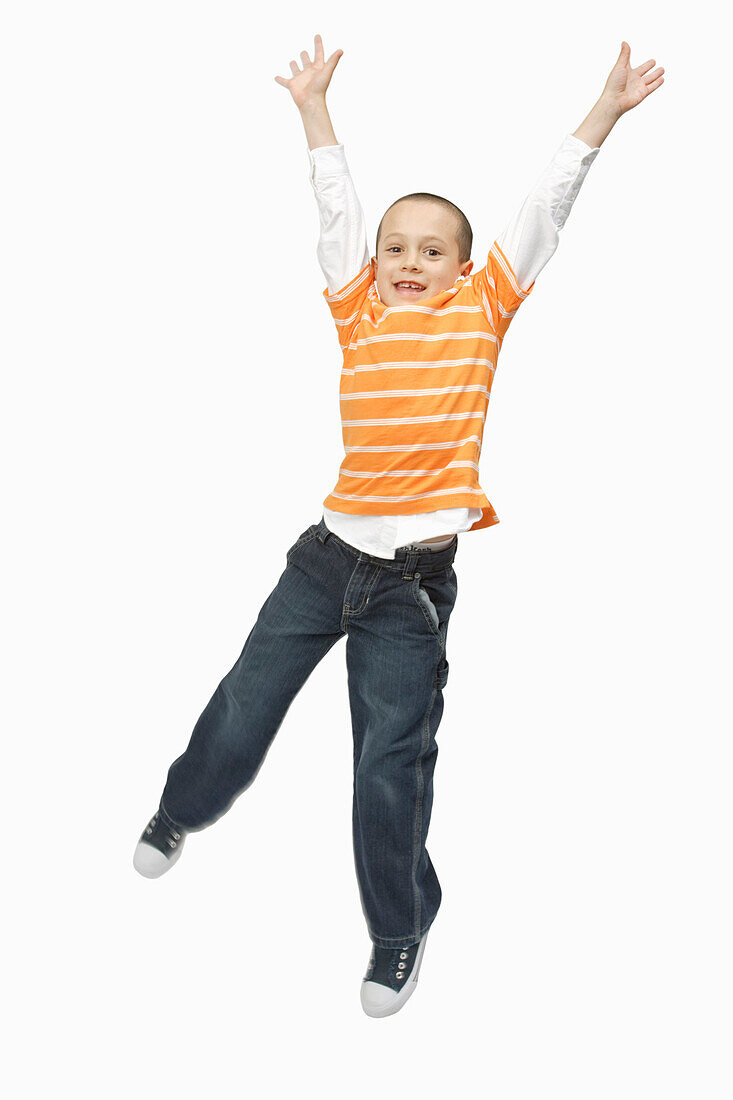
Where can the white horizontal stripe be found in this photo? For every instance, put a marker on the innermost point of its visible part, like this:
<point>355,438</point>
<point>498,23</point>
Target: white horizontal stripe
<point>471,361</point>
<point>373,394</point>
<point>418,496</point>
<point>408,473</point>
<point>421,446</point>
<point>431,310</point>
<point>413,419</point>
<point>347,322</point>
<point>428,337</point>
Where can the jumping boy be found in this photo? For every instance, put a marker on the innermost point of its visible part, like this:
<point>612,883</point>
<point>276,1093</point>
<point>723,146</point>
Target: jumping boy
<point>420,336</point>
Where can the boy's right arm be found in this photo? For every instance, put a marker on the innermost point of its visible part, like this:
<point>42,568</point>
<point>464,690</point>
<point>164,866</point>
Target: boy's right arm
<point>342,250</point>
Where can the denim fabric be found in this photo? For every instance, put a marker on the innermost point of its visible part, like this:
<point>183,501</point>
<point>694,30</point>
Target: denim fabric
<point>394,615</point>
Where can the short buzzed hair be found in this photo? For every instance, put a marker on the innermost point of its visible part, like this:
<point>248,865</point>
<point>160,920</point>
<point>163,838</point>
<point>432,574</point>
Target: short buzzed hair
<point>464,233</point>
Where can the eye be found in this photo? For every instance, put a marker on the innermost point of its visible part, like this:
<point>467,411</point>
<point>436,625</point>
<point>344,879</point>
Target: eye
<point>396,247</point>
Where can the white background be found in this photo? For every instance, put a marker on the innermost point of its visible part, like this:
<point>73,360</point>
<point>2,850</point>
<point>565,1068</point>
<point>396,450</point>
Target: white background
<point>170,425</point>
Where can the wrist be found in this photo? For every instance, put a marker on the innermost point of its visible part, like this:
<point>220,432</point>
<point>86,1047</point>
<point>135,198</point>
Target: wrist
<point>608,107</point>
<point>313,105</point>
<point>317,123</point>
<point>598,123</point>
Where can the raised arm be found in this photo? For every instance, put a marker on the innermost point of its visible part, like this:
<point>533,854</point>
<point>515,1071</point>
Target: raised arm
<point>532,235</point>
<point>342,246</point>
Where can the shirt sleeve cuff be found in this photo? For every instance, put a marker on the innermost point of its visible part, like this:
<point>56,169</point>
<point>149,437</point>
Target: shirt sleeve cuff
<point>327,160</point>
<point>575,143</point>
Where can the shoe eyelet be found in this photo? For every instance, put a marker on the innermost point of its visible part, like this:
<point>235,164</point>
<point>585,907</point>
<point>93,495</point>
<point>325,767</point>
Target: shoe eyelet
<point>398,976</point>
<point>403,955</point>
<point>401,966</point>
<point>171,842</point>
<point>148,830</point>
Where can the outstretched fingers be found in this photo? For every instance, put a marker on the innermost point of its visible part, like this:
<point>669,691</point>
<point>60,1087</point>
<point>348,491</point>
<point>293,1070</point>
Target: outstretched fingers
<point>641,69</point>
<point>314,76</point>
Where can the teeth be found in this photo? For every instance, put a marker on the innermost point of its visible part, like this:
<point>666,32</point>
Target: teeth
<point>411,286</point>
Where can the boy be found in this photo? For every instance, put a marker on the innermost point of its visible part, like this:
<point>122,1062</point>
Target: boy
<point>420,337</point>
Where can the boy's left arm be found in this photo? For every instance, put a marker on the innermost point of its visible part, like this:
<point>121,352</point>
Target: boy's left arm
<point>531,236</point>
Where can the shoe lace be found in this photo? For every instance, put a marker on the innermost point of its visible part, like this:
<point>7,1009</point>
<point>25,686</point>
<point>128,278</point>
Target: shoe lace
<point>153,822</point>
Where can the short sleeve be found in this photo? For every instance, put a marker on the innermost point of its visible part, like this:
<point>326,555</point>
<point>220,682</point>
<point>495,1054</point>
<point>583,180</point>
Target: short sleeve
<point>500,293</point>
<point>347,304</point>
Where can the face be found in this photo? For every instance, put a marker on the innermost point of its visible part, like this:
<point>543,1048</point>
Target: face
<point>418,245</point>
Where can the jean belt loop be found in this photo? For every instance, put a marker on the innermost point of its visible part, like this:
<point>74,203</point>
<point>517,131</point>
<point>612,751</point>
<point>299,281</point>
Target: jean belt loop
<point>410,563</point>
<point>324,532</point>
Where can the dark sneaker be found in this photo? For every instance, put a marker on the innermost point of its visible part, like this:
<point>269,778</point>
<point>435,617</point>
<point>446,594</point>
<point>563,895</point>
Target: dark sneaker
<point>391,978</point>
<point>159,846</point>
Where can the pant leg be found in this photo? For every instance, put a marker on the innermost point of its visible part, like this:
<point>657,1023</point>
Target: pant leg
<point>296,626</point>
<point>397,668</point>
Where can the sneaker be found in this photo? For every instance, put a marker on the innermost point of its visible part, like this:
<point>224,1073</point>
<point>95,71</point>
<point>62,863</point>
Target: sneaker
<point>159,846</point>
<point>391,978</point>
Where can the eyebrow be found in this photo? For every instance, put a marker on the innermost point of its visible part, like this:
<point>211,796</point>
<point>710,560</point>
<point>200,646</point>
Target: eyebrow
<point>439,239</point>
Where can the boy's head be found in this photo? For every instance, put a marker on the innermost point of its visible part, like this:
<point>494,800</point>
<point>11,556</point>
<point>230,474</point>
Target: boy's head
<point>425,239</point>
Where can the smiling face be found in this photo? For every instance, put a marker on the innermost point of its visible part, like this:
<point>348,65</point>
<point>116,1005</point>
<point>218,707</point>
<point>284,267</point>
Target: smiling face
<point>417,244</point>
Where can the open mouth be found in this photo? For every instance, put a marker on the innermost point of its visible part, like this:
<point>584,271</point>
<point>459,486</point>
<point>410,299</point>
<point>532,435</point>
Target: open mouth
<point>408,287</point>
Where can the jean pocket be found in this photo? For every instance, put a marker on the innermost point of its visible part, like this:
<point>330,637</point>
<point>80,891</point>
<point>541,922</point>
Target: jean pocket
<point>441,674</point>
<point>426,605</point>
<point>307,535</point>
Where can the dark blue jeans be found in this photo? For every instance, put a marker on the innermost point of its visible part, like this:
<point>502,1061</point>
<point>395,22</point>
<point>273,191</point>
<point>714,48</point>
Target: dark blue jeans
<point>394,614</point>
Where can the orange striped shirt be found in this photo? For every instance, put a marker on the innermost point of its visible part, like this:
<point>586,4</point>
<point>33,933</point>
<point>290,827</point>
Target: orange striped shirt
<point>415,386</point>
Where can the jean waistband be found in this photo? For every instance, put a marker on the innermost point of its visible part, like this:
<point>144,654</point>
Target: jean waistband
<point>407,561</point>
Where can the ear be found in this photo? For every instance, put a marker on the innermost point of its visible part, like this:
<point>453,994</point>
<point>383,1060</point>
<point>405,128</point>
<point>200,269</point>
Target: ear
<point>466,269</point>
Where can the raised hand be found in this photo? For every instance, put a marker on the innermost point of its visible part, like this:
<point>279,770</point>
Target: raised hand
<point>626,87</point>
<point>313,79</point>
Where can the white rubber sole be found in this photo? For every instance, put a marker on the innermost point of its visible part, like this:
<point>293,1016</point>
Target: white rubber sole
<point>150,863</point>
<point>379,1000</point>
